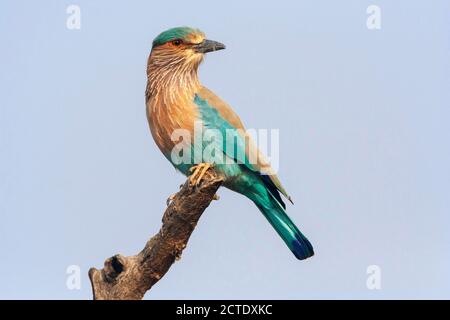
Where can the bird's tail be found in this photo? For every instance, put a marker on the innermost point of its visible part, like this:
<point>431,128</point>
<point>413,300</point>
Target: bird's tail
<point>276,214</point>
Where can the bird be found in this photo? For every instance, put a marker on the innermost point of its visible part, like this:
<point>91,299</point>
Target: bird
<point>176,100</point>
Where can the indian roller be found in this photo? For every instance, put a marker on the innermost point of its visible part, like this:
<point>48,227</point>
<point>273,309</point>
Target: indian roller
<point>175,99</point>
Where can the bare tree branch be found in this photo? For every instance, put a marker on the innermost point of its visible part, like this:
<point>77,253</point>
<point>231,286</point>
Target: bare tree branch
<point>125,278</point>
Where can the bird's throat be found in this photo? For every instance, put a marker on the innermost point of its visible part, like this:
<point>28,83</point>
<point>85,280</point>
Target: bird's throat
<point>169,83</point>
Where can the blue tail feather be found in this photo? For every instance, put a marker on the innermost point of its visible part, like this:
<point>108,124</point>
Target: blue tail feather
<point>278,218</point>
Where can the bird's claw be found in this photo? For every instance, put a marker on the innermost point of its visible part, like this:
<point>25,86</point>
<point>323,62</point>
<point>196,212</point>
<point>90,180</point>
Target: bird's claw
<point>199,172</point>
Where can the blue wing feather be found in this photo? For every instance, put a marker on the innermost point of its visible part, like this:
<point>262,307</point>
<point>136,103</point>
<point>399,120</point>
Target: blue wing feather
<point>236,150</point>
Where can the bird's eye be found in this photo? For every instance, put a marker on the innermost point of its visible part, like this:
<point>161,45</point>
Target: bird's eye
<point>176,42</point>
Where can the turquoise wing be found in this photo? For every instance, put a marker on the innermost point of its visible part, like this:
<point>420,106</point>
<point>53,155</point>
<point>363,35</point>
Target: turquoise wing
<point>232,144</point>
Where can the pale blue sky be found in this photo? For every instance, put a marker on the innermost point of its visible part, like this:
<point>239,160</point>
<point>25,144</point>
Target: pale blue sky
<point>364,129</point>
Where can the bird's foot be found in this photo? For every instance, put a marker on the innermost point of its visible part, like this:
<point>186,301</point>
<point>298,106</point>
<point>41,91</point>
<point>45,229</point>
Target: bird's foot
<point>216,196</point>
<point>199,172</point>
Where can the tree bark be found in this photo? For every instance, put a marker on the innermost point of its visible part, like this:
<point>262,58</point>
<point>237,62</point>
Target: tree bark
<point>129,278</point>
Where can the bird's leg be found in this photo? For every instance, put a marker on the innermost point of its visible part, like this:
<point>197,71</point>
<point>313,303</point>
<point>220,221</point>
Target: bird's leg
<point>202,173</point>
<point>196,169</point>
<point>199,171</point>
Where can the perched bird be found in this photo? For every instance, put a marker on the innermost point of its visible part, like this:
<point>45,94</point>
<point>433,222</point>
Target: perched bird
<point>175,99</point>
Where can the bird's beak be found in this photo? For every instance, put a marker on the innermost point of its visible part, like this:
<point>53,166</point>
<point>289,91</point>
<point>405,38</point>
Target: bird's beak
<point>208,46</point>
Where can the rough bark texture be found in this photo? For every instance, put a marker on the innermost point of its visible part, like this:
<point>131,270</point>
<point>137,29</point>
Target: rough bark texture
<point>125,278</point>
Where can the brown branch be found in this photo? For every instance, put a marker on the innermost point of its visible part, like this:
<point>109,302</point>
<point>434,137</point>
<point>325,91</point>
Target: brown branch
<point>125,278</point>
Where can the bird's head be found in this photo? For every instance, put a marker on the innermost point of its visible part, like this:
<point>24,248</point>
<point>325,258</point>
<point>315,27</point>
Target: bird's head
<point>182,46</point>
